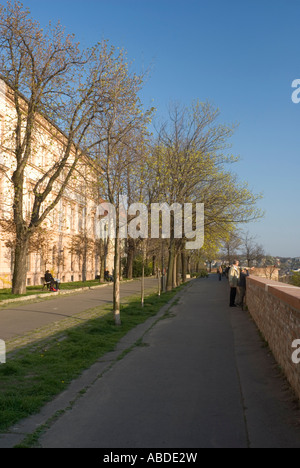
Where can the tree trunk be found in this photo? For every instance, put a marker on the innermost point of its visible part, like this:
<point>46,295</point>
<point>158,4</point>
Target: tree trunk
<point>130,256</point>
<point>116,292</point>
<point>143,284</point>
<point>84,260</point>
<point>184,265</point>
<point>143,273</point>
<point>102,261</point>
<point>170,266</point>
<point>178,268</point>
<point>189,265</point>
<point>22,236</point>
<point>154,265</point>
<point>174,282</point>
<point>159,281</point>
<point>20,265</point>
<point>163,275</point>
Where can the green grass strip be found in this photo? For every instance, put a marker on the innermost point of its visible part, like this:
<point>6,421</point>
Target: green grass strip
<point>34,375</point>
<point>32,290</point>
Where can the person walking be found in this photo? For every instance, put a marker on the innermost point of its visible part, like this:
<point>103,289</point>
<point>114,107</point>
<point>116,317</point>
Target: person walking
<point>220,272</point>
<point>233,277</point>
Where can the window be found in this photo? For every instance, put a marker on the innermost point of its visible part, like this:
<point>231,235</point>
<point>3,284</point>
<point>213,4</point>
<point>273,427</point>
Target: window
<point>1,128</point>
<point>72,260</point>
<point>54,254</point>
<point>72,218</point>
<point>28,262</point>
<point>80,219</point>
<point>28,205</point>
<point>1,139</point>
<point>60,217</point>
<point>12,260</point>
<point>42,156</point>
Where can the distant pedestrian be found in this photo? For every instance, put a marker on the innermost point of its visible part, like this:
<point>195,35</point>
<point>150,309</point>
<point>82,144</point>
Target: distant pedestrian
<point>233,277</point>
<point>220,272</point>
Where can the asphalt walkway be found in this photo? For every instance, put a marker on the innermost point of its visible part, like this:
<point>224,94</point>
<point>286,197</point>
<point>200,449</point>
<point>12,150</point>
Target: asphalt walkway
<point>202,378</point>
<point>22,324</point>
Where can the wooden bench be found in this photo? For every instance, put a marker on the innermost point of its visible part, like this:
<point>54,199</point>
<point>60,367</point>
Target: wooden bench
<point>46,284</point>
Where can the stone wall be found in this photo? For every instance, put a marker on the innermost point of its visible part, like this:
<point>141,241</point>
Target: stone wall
<point>275,308</point>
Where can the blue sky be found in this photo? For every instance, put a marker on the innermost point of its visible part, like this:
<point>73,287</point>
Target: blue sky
<point>241,55</point>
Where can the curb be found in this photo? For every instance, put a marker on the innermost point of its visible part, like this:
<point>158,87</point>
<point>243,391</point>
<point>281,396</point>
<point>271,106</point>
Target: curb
<point>54,295</point>
<point>66,292</point>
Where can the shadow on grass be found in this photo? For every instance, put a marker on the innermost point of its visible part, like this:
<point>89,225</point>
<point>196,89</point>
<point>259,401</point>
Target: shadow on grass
<point>36,374</point>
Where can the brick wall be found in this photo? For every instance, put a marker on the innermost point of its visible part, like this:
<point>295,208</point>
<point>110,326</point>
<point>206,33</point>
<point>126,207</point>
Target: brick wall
<point>275,308</point>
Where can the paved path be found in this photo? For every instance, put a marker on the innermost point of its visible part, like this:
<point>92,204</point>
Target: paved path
<point>203,379</point>
<point>19,320</point>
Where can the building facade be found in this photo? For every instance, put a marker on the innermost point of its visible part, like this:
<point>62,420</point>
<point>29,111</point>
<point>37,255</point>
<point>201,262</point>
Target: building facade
<point>66,243</point>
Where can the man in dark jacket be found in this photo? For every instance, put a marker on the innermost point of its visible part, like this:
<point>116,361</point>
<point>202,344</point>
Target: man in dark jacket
<point>242,287</point>
<point>49,280</point>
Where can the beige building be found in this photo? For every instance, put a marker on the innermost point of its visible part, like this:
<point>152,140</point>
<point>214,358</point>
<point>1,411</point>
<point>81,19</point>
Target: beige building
<point>269,272</point>
<point>66,244</point>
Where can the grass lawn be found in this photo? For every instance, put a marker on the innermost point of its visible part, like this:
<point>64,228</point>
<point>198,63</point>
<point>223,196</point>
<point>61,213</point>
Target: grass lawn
<point>36,374</point>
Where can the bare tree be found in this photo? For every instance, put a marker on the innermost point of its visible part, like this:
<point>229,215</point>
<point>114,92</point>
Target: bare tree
<point>270,267</point>
<point>122,130</point>
<point>47,77</point>
<point>231,246</point>
<point>83,247</point>
<point>251,249</point>
<point>188,165</point>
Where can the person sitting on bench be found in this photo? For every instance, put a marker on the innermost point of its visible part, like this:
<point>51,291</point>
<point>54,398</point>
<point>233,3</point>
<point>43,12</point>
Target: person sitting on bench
<point>47,279</point>
<point>50,281</point>
<point>107,276</point>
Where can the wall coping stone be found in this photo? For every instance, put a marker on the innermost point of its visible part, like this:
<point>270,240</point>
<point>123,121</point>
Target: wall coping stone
<point>286,293</point>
